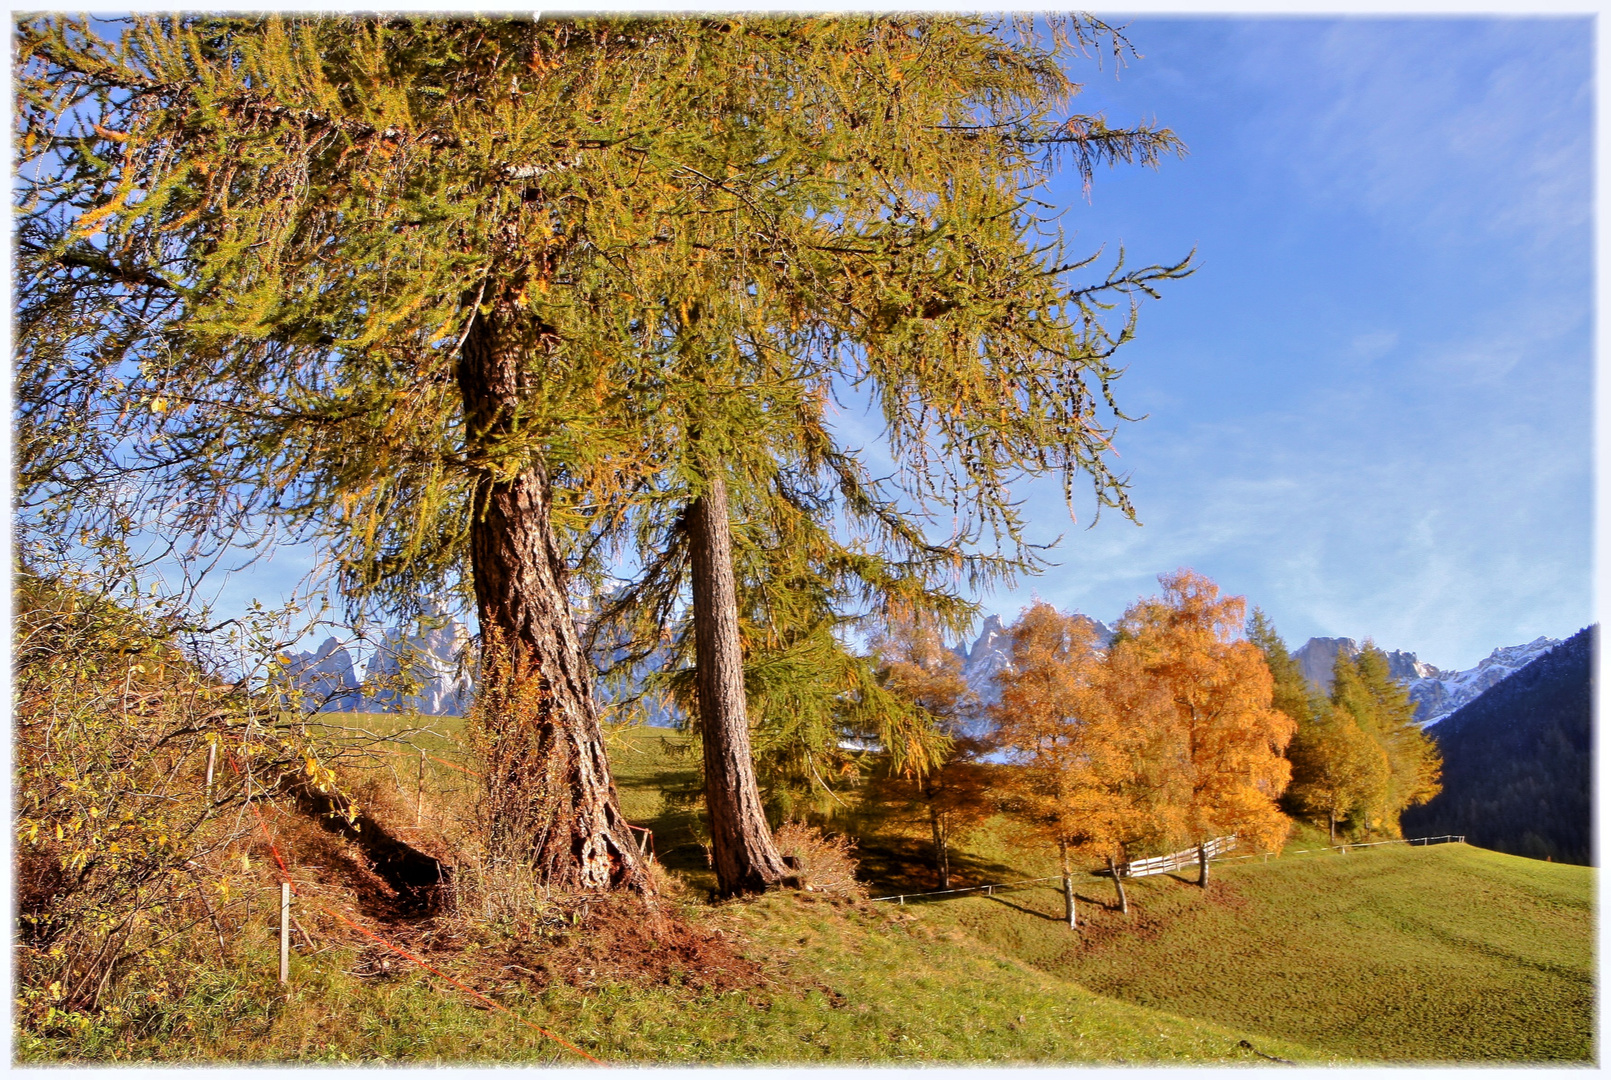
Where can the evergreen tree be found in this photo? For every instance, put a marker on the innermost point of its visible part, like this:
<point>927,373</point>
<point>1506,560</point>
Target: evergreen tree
<point>1336,768</point>
<point>872,233</point>
<point>315,244</point>
<point>1291,693</point>
<point>1365,689</point>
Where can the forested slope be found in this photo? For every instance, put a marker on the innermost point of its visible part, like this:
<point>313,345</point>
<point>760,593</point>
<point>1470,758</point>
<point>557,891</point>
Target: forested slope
<point>1518,762</point>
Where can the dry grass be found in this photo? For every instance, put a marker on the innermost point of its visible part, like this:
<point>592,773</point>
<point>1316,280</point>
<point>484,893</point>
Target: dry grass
<point>825,864</point>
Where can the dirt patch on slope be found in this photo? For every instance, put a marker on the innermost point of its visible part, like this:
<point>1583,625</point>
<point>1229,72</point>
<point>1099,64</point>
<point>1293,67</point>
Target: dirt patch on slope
<point>621,938</point>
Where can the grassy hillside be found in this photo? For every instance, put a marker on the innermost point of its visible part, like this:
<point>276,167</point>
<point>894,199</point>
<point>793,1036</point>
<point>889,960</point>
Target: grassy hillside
<point>1446,953</point>
<point>1391,954</point>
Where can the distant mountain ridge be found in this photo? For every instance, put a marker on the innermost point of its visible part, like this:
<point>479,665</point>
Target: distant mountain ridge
<point>1317,656</point>
<point>437,655</point>
<point>1518,761</point>
<point>991,654</point>
<point>1436,693</point>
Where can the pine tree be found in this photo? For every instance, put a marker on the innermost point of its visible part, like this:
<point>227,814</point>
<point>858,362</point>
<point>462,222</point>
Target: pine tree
<point>1336,768</point>
<point>1291,693</point>
<point>1364,688</point>
<point>872,233</point>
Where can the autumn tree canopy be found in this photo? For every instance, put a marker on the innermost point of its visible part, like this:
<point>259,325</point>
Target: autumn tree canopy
<point>449,298</point>
<point>1075,781</point>
<point>953,794</point>
<point>1228,740</point>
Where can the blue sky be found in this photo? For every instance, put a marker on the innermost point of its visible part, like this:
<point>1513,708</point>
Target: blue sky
<point>1370,411</point>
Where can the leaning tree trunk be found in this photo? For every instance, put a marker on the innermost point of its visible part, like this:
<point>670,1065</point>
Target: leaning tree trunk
<point>741,842</point>
<point>1068,889</point>
<point>1118,882</point>
<point>552,798</point>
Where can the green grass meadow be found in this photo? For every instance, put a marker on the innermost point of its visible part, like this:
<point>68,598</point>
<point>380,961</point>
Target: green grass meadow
<point>1390,954</point>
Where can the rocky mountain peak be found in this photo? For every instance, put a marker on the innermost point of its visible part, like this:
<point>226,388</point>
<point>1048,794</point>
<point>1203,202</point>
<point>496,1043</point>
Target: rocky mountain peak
<point>1436,692</point>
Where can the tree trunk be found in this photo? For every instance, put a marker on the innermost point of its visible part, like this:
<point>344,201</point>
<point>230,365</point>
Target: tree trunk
<point>1331,824</point>
<point>554,801</point>
<point>1118,883</point>
<point>942,852</point>
<point>741,842</point>
<point>1068,889</point>
<point>1202,865</point>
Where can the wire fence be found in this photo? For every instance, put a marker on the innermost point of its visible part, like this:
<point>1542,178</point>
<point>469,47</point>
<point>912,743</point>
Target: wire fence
<point>992,889</point>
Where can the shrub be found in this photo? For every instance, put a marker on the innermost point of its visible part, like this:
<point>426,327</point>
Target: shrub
<point>126,857</point>
<point>822,863</point>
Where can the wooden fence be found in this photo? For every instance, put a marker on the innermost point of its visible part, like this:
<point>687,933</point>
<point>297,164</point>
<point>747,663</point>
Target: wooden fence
<point>1162,864</point>
<point>1146,867</point>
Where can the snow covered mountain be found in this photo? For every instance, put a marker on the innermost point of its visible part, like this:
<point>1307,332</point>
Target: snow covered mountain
<point>1444,692</point>
<point>991,654</point>
<point>1436,692</point>
<point>1318,655</point>
<point>326,678</point>
<point>439,658</point>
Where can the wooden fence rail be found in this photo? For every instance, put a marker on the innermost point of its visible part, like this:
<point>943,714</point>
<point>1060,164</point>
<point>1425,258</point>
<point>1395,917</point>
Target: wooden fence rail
<point>1216,848</point>
<point>1162,864</point>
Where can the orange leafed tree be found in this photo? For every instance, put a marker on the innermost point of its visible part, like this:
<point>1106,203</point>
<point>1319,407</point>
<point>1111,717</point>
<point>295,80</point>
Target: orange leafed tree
<point>953,795</point>
<point>1078,778</point>
<point>1227,741</point>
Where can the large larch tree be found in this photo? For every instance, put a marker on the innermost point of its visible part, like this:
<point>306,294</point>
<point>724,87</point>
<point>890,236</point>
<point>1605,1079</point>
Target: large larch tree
<point>446,297</point>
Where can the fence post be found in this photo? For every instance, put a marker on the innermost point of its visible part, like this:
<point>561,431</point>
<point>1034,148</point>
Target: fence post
<point>419,794</point>
<point>285,931</point>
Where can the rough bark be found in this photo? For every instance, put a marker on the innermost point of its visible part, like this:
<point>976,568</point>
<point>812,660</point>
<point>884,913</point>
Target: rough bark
<point>1068,889</point>
<point>1118,883</point>
<point>741,841</point>
<point>551,767</point>
<point>942,847</point>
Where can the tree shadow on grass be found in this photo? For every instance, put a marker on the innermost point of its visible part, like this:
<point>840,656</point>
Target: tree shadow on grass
<point>896,864</point>
<point>1025,910</point>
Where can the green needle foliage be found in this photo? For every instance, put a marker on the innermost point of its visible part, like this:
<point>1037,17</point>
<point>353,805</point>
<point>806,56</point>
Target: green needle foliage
<point>1363,689</point>
<point>277,249</point>
<point>275,231</point>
